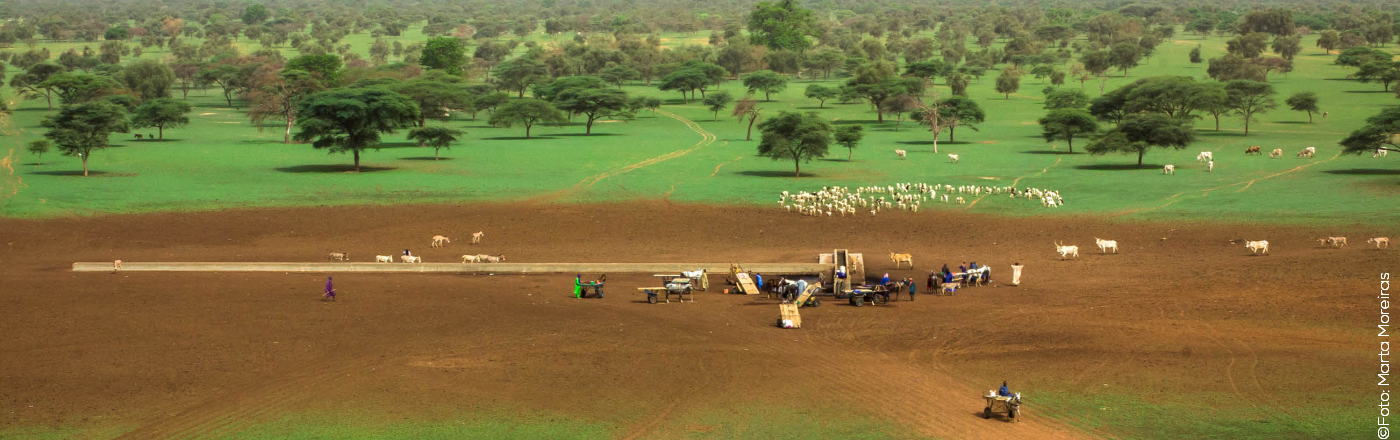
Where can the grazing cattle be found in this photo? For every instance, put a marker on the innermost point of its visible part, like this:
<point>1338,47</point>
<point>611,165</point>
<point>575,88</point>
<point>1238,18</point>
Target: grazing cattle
<point>1257,247</point>
<point>1105,245</point>
<point>1277,153</point>
<point>1380,242</point>
<point>902,258</point>
<point>961,201</point>
<point>1169,169</point>
<point>1380,152</point>
<point>440,241</point>
<point>411,258</point>
<point>476,237</point>
<point>1066,251</point>
<point>1210,166</point>
<point>901,153</point>
<point>953,157</point>
<point>1205,156</point>
<point>383,259</point>
<point>483,258</point>
<point>1309,152</point>
<point>1254,150</point>
<point>1324,115</point>
<point>1336,242</point>
<point>138,136</point>
<point>151,137</point>
<point>339,256</point>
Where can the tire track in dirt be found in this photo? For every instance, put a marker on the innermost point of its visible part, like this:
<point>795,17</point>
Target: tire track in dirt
<point>706,138</point>
<point>233,410</point>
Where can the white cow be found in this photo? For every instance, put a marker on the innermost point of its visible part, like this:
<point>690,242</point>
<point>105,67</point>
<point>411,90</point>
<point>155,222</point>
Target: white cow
<point>1380,152</point>
<point>1257,247</point>
<point>1309,152</point>
<point>901,153</point>
<point>468,258</point>
<point>1210,166</point>
<point>1169,169</point>
<point>383,259</point>
<point>954,157</point>
<point>1381,242</point>
<point>1204,156</point>
<point>440,241</point>
<point>476,237</point>
<point>1277,153</point>
<point>1105,245</point>
<point>1066,251</point>
<point>411,258</point>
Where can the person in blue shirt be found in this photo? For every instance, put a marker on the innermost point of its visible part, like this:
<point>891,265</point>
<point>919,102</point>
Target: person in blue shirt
<point>1004,391</point>
<point>911,289</point>
<point>758,279</point>
<point>973,266</point>
<point>962,268</point>
<point>885,280</point>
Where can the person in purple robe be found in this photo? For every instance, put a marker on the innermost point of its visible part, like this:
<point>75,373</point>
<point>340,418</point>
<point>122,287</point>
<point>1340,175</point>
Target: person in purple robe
<point>330,290</point>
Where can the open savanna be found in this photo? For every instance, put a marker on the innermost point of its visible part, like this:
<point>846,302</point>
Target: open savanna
<point>683,153</point>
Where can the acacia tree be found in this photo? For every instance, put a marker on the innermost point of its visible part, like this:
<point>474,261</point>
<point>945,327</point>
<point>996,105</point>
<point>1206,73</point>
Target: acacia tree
<point>445,53</point>
<point>1304,102</point>
<point>526,112</point>
<point>1379,133</point>
<point>29,84</point>
<point>747,108</point>
<point>161,113</point>
<point>780,25</point>
<point>148,78</point>
<point>1248,98</point>
<point>277,96</point>
<point>899,104</point>
<point>1066,123</point>
<point>1138,133</point>
<point>718,101</point>
<point>820,93</point>
<point>849,136</point>
<point>519,74</point>
<point>78,130</point>
<point>1008,82</point>
<point>593,104</point>
<point>795,136</point>
<point>435,137</point>
<point>38,147</point>
<point>766,81</point>
<point>436,91</point>
<point>352,119</point>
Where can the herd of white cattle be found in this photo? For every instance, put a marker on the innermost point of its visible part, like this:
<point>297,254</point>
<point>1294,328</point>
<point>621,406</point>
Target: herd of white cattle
<point>842,201</point>
<point>437,242</point>
<point>1256,247</point>
<point>1209,158</point>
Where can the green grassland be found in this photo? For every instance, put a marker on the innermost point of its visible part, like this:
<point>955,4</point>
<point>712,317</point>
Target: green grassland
<point>221,161</point>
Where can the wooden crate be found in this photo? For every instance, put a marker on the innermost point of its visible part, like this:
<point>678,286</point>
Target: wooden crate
<point>789,312</point>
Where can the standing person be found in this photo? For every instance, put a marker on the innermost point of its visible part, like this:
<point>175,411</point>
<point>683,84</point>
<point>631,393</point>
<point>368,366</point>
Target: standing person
<point>945,270</point>
<point>759,280</point>
<point>1016,273</point>
<point>885,281</point>
<point>930,280</point>
<point>911,289</point>
<point>330,291</point>
<point>578,286</point>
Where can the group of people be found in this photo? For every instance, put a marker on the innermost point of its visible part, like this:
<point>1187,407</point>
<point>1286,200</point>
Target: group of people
<point>885,281</point>
<point>946,275</point>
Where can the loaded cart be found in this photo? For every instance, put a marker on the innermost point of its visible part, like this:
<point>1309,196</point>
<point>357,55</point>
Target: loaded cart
<point>1009,405</point>
<point>788,316</point>
<point>680,289</point>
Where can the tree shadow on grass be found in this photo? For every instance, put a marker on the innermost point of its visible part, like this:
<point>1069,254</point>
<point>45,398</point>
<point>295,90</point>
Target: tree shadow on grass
<point>1118,167</point>
<point>1292,122</point>
<point>516,138</point>
<point>855,121</point>
<point>427,158</point>
<point>329,168</point>
<point>1364,172</point>
<point>587,135</point>
<point>388,145</point>
<point>79,173</point>
<point>1220,134</point>
<point>1367,91</point>
<point>771,173</point>
<point>33,109</point>
<point>1052,152</point>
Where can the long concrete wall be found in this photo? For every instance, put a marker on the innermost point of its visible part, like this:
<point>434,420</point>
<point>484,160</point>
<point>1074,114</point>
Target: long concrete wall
<point>476,268</point>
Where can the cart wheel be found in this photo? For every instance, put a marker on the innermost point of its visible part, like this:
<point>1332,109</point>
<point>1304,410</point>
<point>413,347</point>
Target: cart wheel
<point>816,302</point>
<point>1011,414</point>
<point>987,412</point>
<point>651,299</point>
<point>858,301</point>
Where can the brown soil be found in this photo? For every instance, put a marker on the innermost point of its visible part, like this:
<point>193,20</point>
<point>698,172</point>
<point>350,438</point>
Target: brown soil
<point>1178,312</point>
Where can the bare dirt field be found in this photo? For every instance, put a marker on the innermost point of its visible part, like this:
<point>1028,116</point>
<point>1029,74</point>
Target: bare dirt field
<point>1178,316</point>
